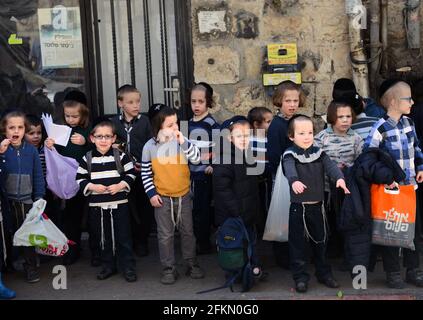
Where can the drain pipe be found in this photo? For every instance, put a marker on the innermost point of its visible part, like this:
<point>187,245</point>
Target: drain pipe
<point>356,11</point>
<point>375,44</point>
<point>412,23</point>
<point>384,32</point>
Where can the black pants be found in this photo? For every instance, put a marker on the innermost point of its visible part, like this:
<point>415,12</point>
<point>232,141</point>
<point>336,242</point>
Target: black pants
<point>315,222</point>
<point>333,209</point>
<point>18,213</point>
<point>72,219</point>
<point>265,194</point>
<point>141,214</point>
<point>123,257</point>
<point>390,255</point>
<point>201,211</point>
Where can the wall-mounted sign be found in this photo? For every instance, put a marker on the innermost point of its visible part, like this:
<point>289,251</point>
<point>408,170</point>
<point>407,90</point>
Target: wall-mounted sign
<point>60,37</point>
<point>209,21</point>
<point>282,53</point>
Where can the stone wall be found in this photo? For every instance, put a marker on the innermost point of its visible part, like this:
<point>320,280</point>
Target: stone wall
<point>230,55</point>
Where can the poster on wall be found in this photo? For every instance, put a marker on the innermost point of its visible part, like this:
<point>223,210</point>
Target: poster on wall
<point>60,37</point>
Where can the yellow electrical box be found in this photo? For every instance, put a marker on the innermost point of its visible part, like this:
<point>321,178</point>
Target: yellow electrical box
<point>282,53</point>
<point>273,79</point>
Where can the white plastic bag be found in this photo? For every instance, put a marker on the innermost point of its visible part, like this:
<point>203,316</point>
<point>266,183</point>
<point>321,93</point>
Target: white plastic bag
<point>277,223</point>
<point>40,232</point>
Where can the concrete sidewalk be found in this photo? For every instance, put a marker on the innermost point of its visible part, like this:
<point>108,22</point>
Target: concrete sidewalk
<point>82,283</point>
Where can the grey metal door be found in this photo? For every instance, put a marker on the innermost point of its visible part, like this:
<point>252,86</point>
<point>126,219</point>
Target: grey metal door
<point>136,43</point>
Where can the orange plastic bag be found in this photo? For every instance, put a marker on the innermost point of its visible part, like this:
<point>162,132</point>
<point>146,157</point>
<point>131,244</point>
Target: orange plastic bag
<point>393,215</point>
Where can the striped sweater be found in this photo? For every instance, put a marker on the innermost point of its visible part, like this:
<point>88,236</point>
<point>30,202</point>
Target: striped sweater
<point>104,171</point>
<point>165,168</point>
<point>341,149</point>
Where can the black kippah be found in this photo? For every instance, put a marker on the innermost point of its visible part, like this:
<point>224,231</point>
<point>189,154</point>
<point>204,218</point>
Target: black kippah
<point>386,85</point>
<point>207,86</point>
<point>77,96</point>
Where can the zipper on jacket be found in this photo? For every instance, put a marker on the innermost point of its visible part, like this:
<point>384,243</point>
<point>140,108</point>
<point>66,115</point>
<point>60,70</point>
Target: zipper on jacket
<point>19,173</point>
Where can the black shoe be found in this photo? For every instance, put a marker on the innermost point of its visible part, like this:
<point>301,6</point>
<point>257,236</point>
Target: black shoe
<point>259,274</point>
<point>141,251</point>
<point>414,276</point>
<point>301,287</point>
<point>105,273</point>
<point>130,275</point>
<point>95,261</point>
<point>394,280</point>
<point>32,275</point>
<point>330,283</point>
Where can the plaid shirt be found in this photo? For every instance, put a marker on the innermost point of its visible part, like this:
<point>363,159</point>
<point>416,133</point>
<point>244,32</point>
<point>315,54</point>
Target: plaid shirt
<point>399,139</point>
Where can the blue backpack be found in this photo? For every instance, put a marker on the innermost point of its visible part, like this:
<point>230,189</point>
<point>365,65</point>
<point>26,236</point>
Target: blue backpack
<point>234,254</point>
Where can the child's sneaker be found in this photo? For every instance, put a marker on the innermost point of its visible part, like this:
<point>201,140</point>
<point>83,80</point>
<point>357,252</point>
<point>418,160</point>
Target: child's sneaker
<point>195,272</point>
<point>169,275</point>
<point>32,275</point>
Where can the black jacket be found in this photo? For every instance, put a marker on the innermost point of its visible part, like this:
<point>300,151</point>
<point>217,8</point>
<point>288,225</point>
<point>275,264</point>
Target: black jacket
<point>373,166</point>
<point>139,132</point>
<point>235,192</point>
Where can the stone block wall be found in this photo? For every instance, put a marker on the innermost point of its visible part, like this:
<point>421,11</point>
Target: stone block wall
<point>229,48</point>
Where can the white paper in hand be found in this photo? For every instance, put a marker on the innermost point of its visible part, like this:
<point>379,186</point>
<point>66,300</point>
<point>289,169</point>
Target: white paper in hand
<point>59,133</point>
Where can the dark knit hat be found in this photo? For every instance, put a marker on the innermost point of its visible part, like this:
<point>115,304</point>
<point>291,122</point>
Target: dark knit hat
<point>77,96</point>
<point>386,85</point>
<point>235,119</point>
<point>155,109</point>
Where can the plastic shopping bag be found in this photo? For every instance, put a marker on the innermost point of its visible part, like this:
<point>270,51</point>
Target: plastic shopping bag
<point>393,215</point>
<point>61,174</point>
<point>277,223</point>
<point>40,232</point>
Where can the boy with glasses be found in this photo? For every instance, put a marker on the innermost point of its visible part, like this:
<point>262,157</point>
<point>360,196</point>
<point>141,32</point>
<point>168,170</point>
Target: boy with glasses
<point>395,134</point>
<point>105,176</point>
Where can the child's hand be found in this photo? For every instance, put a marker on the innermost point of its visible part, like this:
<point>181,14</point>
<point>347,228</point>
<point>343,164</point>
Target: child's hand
<point>78,139</point>
<point>99,188</point>
<point>156,201</point>
<point>137,167</point>
<point>4,145</point>
<point>341,184</point>
<point>179,137</point>
<point>49,143</point>
<point>209,170</point>
<point>419,177</point>
<point>115,188</point>
<point>298,187</point>
<point>393,185</point>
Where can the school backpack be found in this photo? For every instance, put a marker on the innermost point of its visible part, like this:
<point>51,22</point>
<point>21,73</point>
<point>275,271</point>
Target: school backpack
<point>116,155</point>
<point>234,254</point>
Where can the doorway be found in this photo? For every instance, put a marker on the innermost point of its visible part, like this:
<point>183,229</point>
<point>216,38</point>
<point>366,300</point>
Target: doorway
<point>145,43</point>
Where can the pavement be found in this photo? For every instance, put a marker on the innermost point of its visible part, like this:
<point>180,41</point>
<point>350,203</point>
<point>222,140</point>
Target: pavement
<point>80,282</point>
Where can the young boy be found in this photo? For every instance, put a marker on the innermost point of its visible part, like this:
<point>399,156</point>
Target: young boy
<point>107,190</point>
<point>395,134</point>
<point>305,167</point>
<point>35,137</point>
<point>133,131</point>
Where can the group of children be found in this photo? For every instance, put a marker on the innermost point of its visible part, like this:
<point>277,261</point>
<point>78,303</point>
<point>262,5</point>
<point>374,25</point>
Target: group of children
<point>132,165</point>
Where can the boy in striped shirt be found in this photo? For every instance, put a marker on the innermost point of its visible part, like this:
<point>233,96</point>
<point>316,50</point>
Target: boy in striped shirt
<point>105,176</point>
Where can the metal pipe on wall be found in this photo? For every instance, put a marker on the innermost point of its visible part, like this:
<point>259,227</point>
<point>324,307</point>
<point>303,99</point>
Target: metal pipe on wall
<point>384,35</point>
<point>375,44</point>
<point>412,23</point>
<point>355,11</point>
